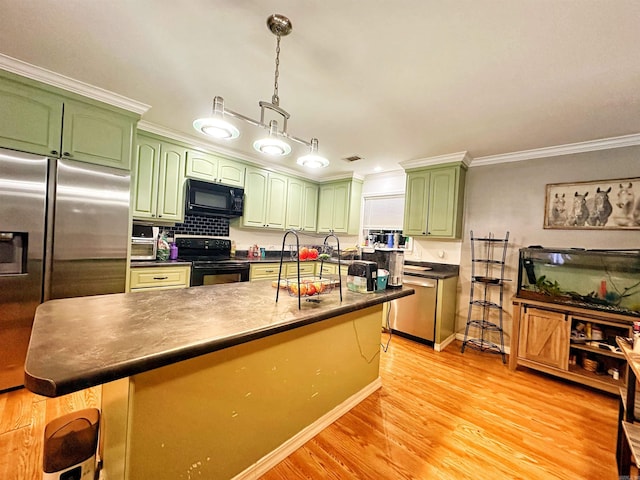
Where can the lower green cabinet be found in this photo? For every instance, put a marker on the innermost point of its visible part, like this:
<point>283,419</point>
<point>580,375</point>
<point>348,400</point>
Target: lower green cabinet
<point>434,200</point>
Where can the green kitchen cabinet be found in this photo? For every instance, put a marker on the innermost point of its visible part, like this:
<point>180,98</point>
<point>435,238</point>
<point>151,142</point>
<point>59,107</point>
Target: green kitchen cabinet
<point>214,168</point>
<point>434,200</point>
<point>158,185</point>
<point>302,205</point>
<point>265,199</point>
<point>38,121</point>
<point>339,207</point>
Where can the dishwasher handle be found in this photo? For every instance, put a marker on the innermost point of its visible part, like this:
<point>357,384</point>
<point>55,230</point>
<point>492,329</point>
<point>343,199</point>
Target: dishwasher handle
<point>420,282</point>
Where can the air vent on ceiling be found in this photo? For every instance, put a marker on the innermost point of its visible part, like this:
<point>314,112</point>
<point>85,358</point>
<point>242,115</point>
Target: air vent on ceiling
<point>352,158</point>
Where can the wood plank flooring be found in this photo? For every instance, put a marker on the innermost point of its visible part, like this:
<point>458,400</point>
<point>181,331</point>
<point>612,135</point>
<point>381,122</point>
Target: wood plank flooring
<point>452,416</point>
<point>23,416</point>
<point>438,416</point>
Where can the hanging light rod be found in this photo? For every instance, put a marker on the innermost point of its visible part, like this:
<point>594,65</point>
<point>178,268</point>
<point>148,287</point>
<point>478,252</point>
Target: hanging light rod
<point>217,127</point>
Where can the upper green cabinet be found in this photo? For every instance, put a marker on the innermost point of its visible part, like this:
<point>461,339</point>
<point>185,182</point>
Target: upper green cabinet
<point>265,199</point>
<point>158,183</point>
<point>434,201</point>
<point>213,168</point>
<point>302,205</point>
<point>339,207</point>
<point>38,121</point>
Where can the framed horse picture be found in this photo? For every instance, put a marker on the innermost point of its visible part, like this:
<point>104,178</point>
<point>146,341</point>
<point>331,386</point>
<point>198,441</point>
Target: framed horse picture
<point>599,205</point>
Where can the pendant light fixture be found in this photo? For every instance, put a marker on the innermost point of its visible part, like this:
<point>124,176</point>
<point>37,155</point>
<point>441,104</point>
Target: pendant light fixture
<point>273,144</point>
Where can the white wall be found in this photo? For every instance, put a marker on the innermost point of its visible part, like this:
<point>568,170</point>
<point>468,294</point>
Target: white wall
<point>511,197</point>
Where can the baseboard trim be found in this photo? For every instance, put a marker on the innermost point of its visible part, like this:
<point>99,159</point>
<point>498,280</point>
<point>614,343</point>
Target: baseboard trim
<point>438,347</point>
<point>274,457</point>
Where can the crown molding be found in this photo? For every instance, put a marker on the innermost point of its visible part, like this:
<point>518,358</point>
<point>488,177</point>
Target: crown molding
<point>43,75</point>
<point>567,149</point>
<point>386,174</point>
<point>438,160</point>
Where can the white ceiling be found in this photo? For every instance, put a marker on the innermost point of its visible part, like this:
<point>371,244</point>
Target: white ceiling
<point>388,81</point>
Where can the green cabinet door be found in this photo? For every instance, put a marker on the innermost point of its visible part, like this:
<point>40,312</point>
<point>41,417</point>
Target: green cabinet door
<point>309,207</point>
<point>265,199</point>
<point>339,205</point>
<point>442,190</point>
<point>295,207</point>
<point>95,135</point>
<point>231,173</point>
<point>302,205</point>
<point>31,119</point>
<point>145,178</point>
<point>416,204</point>
<point>434,201</point>
<point>212,168</point>
<point>158,184</point>
<point>276,201</point>
<point>341,208</point>
<point>255,195</point>
<point>39,121</point>
<point>326,201</point>
<point>171,182</point>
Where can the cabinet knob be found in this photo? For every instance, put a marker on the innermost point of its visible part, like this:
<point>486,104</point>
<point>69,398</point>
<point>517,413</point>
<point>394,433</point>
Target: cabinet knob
<point>54,152</point>
<point>67,154</point>
<point>153,214</point>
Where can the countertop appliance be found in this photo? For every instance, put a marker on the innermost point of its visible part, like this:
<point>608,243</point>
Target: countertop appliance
<point>390,260</point>
<point>362,276</point>
<point>143,243</point>
<point>63,233</point>
<point>211,261</point>
<point>415,315</point>
<point>213,199</point>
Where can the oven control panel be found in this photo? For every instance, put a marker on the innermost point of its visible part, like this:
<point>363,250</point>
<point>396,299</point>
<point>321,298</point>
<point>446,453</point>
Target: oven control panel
<point>203,243</point>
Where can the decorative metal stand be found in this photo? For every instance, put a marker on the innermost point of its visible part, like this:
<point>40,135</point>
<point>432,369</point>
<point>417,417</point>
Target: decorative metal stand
<point>485,286</point>
<point>297,246</point>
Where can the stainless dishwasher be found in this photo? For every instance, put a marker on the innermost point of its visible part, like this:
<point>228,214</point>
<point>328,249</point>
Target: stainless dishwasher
<point>415,315</point>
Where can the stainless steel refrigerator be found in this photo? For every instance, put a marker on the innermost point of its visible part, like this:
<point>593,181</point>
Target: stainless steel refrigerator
<point>63,233</point>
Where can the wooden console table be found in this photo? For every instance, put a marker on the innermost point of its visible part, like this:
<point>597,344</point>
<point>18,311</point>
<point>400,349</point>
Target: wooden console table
<point>541,340</point>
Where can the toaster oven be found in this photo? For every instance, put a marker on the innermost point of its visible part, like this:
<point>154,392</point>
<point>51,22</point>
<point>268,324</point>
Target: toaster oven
<point>143,243</point>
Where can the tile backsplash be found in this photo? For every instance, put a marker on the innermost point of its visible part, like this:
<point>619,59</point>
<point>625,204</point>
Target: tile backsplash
<point>200,225</point>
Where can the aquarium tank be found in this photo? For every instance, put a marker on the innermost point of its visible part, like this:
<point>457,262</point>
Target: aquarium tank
<point>606,280</point>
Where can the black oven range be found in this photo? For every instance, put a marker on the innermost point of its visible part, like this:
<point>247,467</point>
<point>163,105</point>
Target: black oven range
<point>211,261</point>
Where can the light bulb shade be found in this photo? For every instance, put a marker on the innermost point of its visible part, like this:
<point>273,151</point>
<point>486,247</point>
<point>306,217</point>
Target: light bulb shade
<point>313,160</point>
<point>272,146</point>
<point>216,128</point>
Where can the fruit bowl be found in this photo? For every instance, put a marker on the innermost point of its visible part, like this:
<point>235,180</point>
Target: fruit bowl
<point>309,286</point>
<point>305,252</point>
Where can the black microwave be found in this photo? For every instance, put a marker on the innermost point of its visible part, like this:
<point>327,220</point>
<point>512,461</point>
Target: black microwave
<point>213,199</point>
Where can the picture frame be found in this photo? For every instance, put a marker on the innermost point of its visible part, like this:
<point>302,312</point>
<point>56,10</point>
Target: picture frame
<point>599,205</point>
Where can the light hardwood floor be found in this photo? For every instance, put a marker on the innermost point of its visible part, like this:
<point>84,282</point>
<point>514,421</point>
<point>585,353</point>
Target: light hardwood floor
<point>438,416</point>
<point>452,416</point>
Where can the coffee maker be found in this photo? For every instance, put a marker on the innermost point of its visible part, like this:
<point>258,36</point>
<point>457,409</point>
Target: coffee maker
<point>396,268</point>
<point>391,260</point>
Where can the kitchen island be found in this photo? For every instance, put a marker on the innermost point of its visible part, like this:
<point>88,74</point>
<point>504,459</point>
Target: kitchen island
<point>216,381</point>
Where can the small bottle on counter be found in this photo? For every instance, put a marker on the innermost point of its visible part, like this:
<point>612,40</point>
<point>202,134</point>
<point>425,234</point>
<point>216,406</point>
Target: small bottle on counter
<point>232,252</point>
<point>173,251</point>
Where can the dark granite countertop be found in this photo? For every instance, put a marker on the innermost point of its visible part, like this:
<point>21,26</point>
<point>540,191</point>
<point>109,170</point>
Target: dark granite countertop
<point>438,271</point>
<point>159,263</point>
<point>80,342</point>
